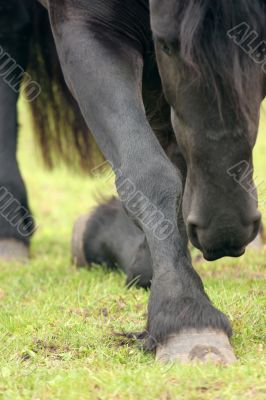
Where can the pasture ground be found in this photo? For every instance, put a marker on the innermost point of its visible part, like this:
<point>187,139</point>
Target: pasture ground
<point>57,324</point>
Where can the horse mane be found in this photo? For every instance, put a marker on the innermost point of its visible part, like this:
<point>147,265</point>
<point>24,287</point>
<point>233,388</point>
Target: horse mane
<point>206,47</point>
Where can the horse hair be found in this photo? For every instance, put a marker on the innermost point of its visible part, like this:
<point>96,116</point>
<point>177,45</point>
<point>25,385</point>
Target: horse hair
<point>205,47</point>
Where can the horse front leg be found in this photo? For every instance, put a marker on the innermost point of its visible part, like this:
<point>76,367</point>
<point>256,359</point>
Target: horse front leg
<point>105,75</point>
<point>16,223</point>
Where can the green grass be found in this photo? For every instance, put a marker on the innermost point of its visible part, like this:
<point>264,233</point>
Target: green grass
<point>57,324</point>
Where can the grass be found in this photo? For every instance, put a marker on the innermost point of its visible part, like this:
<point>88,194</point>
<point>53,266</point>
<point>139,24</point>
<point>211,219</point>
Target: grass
<point>57,324</point>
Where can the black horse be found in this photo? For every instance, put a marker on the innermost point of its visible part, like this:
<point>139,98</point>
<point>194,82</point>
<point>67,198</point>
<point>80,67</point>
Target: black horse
<point>173,158</point>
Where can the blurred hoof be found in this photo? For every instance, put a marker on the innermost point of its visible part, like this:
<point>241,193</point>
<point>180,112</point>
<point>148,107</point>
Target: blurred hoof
<point>194,346</point>
<point>77,246</point>
<point>13,250</point>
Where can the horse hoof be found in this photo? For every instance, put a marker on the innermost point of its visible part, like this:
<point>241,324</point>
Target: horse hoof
<point>205,346</point>
<point>13,250</point>
<point>78,253</point>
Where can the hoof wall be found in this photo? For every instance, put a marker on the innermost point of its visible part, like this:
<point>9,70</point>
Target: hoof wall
<point>77,246</point>
<point>194,346</point>
<point>13,250</point>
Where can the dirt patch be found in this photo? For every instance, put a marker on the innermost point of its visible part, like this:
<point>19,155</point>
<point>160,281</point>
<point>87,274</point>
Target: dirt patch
<point>47,349</point>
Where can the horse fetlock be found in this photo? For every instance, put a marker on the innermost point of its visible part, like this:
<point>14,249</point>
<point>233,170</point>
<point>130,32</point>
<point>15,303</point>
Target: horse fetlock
<point>97,238</point>
<point>140,272</point>
<point>171,315</point>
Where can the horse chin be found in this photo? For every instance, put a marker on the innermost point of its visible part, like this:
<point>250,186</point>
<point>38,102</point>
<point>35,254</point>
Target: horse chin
<point>220,247</point>
<point>218,254</point>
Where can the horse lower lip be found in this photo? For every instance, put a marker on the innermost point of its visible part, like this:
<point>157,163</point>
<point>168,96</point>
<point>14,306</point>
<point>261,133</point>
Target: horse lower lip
<point>216,255</point>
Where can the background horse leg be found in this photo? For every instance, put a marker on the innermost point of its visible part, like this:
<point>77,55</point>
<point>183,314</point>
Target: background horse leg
<point>104,73</point>
<point>14,42</point>
<point>109,236</point>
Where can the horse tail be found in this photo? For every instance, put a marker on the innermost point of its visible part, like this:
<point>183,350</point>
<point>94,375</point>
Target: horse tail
<point>58,123</point>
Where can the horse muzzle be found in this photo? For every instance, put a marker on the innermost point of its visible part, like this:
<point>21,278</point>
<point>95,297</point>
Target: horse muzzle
<point>220,240</point>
